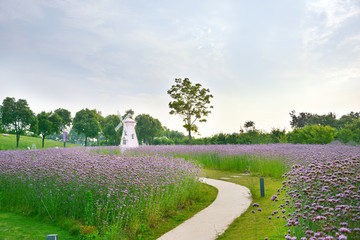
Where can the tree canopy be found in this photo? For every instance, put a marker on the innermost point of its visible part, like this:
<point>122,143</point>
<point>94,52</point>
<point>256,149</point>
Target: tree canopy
<point>191,103</point>
<point>17,116</point>
<point>86,122</point>
<point>65,116</point>
<point>108,126</point>
<point>49,123</point>
<point>147,128</point>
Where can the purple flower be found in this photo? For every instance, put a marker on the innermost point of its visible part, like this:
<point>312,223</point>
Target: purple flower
<point>342,237</point>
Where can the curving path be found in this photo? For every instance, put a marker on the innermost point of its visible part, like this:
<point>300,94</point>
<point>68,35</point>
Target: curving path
<point>232,200</point>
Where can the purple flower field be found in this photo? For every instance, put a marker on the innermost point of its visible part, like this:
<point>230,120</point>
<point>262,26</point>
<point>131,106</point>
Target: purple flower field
<point>323,200</point>
<point>100,189</point>
<point>118,192</point>
<point>292,153</point>
<point>322,188</point>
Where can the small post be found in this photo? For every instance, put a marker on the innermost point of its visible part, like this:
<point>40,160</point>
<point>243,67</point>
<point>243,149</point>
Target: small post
<point>64,138</point>
<point>52,237</point>
<point>262,187</point>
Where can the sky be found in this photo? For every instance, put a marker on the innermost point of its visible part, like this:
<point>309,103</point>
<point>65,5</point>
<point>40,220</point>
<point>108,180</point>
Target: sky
<point>260,59</point>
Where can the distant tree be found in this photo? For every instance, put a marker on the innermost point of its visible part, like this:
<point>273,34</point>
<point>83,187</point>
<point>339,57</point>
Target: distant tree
<point>191,103</point>
<point>108,128</point>
<point>87,122</point>
<point>278,135</point>
<point>49,123</point>
<point>249,124</point>
<point>299,121</point>
<point>131,113</point>
<point>65,117</point>
<point>348,119</point>
<point>16,116</point>
<point>147,128</point>
<point>307,119</point>
<point>322,120</point>
<point>0,120</point>
<point>172,134</point>
<point>101,120</point>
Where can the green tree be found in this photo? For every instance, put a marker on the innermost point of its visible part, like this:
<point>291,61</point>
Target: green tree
<point>86,122</point>
<point>191,103</point>
<point>299,121</point>
<point>348,119</point>
<point>174,135</point>
<point>147,128</point>
<point>16,116</point>
<point>345,135</point>
<point>249,124</point>
<point>278,136</point>
<point>112,137</point>
<point>49,123</point>
<point>65,116</point>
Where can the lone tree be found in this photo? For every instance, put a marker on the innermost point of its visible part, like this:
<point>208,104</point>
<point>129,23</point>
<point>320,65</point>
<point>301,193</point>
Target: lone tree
<point>17,116</point>
<point>191,103</point>
<point>86,122</point>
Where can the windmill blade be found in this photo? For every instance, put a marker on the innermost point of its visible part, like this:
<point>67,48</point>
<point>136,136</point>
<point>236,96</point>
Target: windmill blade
<point>118,126</point>
<point>127,116</point>
<point>121,119</point>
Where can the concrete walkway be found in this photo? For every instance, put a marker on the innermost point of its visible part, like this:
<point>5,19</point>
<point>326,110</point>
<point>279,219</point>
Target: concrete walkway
<point>232,200</point>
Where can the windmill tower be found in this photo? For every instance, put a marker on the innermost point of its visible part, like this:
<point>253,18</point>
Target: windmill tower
<point>128,137</point>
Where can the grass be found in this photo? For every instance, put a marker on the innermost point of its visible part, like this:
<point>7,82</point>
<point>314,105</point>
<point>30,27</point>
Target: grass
<point>15,226</point>
<point>262,165</point>
<point>9,142</point>
<point>251,226</point>
<point>208,195</point>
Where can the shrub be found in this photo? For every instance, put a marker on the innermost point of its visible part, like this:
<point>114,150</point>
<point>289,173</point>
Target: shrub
<point>313,134</point>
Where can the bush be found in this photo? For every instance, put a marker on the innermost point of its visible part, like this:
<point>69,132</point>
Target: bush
<point>313,134</point>
<point>345,135</point>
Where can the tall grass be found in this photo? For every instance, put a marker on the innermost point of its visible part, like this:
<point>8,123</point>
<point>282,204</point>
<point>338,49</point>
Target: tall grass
<point>109,195</point>
<point>246,163</point>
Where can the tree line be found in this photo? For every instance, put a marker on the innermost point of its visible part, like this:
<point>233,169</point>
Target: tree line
<point>88,126</point>
<point>307,128</point>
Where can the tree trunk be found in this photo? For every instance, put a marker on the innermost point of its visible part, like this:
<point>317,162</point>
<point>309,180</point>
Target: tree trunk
<point>85,141</point>
<point>17,140</point>
<point>43,140</point>
<point>190,139</point>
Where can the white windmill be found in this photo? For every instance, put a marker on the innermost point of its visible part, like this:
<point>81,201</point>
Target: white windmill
<point>128,137</point>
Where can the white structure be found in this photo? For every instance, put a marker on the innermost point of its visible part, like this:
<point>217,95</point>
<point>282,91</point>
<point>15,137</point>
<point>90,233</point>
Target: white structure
<point>128,138</point>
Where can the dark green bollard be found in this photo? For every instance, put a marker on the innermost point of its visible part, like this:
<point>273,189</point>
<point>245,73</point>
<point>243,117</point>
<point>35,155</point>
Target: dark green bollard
<point>262,187</point>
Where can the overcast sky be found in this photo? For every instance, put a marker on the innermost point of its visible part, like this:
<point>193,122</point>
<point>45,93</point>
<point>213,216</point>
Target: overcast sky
<point>260,59</point>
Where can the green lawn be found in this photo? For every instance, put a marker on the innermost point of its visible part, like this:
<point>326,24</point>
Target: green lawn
<point>9,142</point>
<point>14,226</point>
<point>250,226</point>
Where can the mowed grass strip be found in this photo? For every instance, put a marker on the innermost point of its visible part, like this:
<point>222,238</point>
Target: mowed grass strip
<point>250,226</point>
<point>15,226</point>
<point>9,142</point>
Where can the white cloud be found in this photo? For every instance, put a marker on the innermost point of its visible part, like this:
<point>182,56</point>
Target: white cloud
<point>324,17</point>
